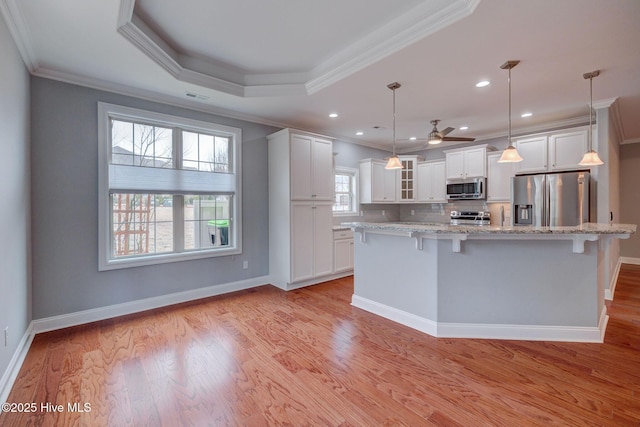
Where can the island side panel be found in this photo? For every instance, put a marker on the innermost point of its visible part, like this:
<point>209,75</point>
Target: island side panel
<point>519,282</point>
<point>390,271</point>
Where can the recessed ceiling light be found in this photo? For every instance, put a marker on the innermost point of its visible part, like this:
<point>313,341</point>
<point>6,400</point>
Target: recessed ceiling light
<point>333,115</point>
<point>413,138</point>
<point>359,133</point>
<point>463,127</point>
<point>526,115</point>
<point>483,83</point>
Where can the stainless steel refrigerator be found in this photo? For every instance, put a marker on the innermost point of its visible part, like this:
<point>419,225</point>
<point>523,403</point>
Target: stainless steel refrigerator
<point>555,199</point>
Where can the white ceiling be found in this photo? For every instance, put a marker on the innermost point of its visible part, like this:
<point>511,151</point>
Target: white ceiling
<point>291,63</point>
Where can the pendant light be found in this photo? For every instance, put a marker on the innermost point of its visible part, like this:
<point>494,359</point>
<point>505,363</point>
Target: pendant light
<point>510,154</point>
<point>591,158</point>
<point>394,161</point>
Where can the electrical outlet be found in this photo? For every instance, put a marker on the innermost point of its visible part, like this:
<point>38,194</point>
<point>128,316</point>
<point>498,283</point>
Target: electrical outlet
<point>245,265</point>
<point>6,336</point>
<point>413,212</point>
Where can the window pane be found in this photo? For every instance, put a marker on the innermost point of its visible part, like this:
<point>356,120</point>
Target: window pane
<point>222,154</point>
<point>121,143</point>
<point>206,152</point>
<point>190,146</point>
<point>142,224</point>
<point>207,221</point>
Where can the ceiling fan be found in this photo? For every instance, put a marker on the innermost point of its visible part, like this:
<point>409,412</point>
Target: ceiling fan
<point>436,137</point>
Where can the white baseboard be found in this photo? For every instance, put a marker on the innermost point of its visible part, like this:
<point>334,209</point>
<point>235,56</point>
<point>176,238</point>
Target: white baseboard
<point>108,312</point>
<point>629,260</point>
<point>487,331</point>
<point>10,375</point>
<point>285,286</point>
<point>609,293</point>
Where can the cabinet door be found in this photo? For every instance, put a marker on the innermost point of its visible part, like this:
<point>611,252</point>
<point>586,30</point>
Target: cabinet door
<point>424,181</point>
<point>383,183</point>
<point>566,149</point>
<point>499,178</point>
<point>406,175</point>
<point>438,183</point>
<point>343,254</point>
<point>322,170</point>
<point>301,167</point>
<point>534,152</point>
<point>475,163</point>
<point>455,165</point>
<point>322,239</point>
<point>302,235</point>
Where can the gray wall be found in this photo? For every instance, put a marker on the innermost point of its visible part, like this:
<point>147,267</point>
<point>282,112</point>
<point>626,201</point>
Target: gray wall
<point>630,196</point>
<point>15,257</point>
<point>65,208</point>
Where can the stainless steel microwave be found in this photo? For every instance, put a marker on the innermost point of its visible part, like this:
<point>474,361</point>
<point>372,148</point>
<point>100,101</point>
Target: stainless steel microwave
<point>466,189</point>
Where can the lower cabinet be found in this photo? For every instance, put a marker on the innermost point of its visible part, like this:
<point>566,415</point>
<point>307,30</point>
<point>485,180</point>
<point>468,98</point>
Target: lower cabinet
<point>342,250</point>
<point>311,240</point>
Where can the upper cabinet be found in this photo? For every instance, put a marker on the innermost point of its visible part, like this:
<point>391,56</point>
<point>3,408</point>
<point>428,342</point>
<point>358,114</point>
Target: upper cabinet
<point>499,178</point>
<point>379,185</point>
<point>311,167</point>
<point>432,186</point>
<point>464,163</point>
<point>552,151</point>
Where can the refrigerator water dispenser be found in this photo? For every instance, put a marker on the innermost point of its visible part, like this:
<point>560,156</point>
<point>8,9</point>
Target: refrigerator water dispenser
<point>524,215</point>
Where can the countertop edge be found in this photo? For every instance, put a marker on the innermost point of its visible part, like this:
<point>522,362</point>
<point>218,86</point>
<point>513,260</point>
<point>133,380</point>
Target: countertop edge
<point>427,228</point>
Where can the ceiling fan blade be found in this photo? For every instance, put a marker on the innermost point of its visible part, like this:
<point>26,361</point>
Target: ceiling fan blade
<point>452,138</point>
<point>446,131</point>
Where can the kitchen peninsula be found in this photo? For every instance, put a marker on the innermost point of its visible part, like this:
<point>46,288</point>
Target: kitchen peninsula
<point>532,283</point>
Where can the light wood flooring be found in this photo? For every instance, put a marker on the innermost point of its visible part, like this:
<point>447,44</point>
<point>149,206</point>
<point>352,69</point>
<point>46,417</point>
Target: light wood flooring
<point>308,358</point>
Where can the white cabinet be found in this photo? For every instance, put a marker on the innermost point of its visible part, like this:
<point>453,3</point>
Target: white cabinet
<point>406,179</point>
<point>342,251</point>
<point>312,166</point>
<point>533,151</point>
<point>566,149</point>
<point>300,208</point>
<point>499,178</point>
<point>552,151</point>
<point>466,162</point>
<point>311,240</point>
<point>432,187</point>
<point>377,184</point>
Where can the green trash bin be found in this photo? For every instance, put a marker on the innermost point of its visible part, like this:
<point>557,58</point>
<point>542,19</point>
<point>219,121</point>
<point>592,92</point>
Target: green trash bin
<point>221,227</point>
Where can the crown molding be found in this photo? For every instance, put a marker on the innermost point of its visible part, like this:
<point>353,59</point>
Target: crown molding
<point>419,22</point>
<point>19,30</point>
<point>152,96</point>
<point>406,29</point>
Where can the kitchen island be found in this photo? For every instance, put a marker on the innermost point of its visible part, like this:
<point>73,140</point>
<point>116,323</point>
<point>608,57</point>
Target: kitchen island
<point>533,283</point>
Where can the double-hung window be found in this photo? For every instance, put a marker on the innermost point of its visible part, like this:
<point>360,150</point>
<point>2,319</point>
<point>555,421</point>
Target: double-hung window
<point>169,188</point>
<point>346,195</point>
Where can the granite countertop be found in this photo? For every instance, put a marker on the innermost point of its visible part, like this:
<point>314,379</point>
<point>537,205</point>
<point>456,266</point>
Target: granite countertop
<point>341,227</point>
<point>433,228</point>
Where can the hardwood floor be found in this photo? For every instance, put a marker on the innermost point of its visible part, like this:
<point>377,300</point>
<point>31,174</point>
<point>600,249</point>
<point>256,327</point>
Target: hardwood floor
<point>306,357</point>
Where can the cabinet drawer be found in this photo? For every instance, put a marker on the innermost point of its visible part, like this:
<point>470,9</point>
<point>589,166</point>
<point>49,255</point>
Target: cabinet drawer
<point>342,234</point>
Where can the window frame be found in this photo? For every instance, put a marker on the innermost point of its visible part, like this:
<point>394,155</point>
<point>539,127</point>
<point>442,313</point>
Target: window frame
<point>190,182</point>
<point>353,173</point>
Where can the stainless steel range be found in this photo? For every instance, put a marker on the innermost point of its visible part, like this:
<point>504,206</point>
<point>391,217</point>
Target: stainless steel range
<point>470,218</point>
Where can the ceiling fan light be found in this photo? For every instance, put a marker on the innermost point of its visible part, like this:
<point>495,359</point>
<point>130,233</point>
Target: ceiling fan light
<point>510,155</point>
<point>393,163</point>
<point>591,158</point>
<point>434,138</point>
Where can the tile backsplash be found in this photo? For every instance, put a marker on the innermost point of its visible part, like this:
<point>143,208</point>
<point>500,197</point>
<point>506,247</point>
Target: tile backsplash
<point>427,212</point>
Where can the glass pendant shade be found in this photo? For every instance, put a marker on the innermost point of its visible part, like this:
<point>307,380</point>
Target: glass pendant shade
<point>591,158</point>
<point>393,163</point>
<point>510,155</point>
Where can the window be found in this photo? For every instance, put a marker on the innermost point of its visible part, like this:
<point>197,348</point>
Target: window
<point>346,200</point>
<point>169,188</point>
